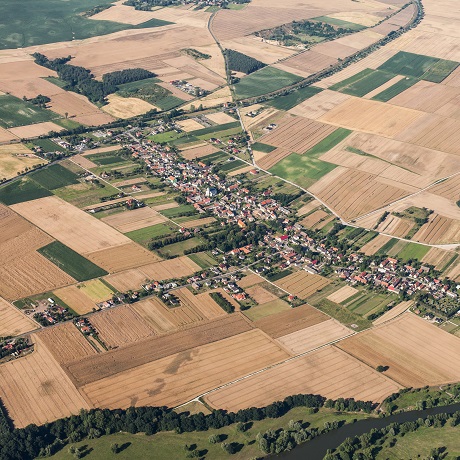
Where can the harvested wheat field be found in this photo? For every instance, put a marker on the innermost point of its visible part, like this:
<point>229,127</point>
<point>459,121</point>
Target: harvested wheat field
<point>292,320</point>
<point>35,130</point>
<point>127,280</point>
<point>396,226</point>
<point>438,230</point>
<point>260,295</point>
<point>371,116</point>
<point>314,218</point>
<point>136,219</point>
<point>328,372</point>
<point>70,225</point>
<point>172,268</point>
<point>220,118</point>
<point>80,160</point>
<point>449,188</point>
<point>189,124</point>
<point>180,377</point>
<point>123,257</point>
<point>66,343</point>
<point>310,206</point>
<point>439,258</point>
<point>342,294</point>
<point>319,104</point>
<point>126,107</point>
<point>198,151</point>
<point>202,303</point>
<point>298,134</point>
<point>6,136</point>
<point>394,312</point>
<point>13,322</point>
<point>75,299</point>
<point>153,348</point>
<point>375,244</point>
<point>250,280</point>
<point>198,222</point>
<point>354,193</point>
<point>15,158</point>
<point>271,159</point>
<point>302,284</point>
<point>120,326</point>
<point>416,352</point>
<point>314,337</point>
<point>34,389</point>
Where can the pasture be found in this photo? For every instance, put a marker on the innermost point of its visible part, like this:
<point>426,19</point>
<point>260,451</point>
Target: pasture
<point>264,81</point>
<point>49,21</point>
<point>16,112</point>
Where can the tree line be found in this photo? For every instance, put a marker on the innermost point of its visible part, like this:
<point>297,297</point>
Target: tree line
<point>38,441</point>
<point>81,80</point>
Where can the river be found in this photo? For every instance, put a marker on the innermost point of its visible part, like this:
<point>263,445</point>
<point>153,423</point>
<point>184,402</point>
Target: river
<point>317,448</point>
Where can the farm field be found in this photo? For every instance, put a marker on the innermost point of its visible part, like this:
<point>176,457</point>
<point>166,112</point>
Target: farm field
<point>267,309</point>
<point>54,176</point>
<point>32,395</point>
<point>168,269</point>
<point>96,290</point>
<point>417,353</point>
<point>342,294</point>
<point>180,377</point>
<point>15,158</point>
<point>16,112</point>
<point>295,98</point>
<point>129,221</point>
<point>328,372</point>
<point>13,322</point>
<point>144,235</point>
<point>154,348</point>
<point>394,312</point>
<point>79,302</point>
<point>302,284</point>
<point>22,190</point>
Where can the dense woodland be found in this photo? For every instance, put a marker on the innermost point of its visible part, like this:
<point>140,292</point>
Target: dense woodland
<point>34,441</point>
<point>82,81</point>
<point>239,62</point>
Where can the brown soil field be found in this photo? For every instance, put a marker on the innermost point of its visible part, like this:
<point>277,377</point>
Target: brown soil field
<point>360,40</point>
<point>78,109</point>
<point>120,326</point>
<point>416,352</point>
<point>314,336</point>
<point>302,284</point>
<point>123,257</point>
<point>129,221</point>
<point>312,219</point>
<point>438,230</point>
<point>438,257</point>
<point>13,322</point>
<point>250,280</point>
<point>127,280</point>
<point>434,132</point>
<point>34,389</point>
<point>198,152</point>
<point>154,348</point>
<point>198,222</point>
<point>35,130</point>
<point>70,225</point>
<point>260,295</point>
<point>77,300</point>
<point>66,343</point>
<point>310,206</point>
<point>126,107</point>
<point>108,148</point>
<point>449,188</point>
<point>172,268</point>
<point>354,193</point>
<point>14,158</point>
<point>371,116</point>
<point>6,136</point>
<point>375,244</point>
<point>320,104</point>
<point>396,226</point>
<point>181,377</point>
<point>298,134</point>
<point>328,372</point>
<point>269,160</point>
<point>309,62</point>
<point>290,321</point>
<point>342,294</point>
<point>394,312</point>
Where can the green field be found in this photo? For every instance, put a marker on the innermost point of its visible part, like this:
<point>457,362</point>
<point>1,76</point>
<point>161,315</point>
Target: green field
<point>214,157</point>
<point>396,89</point>
<point>215,129</point>
<point>340,23</point>
<point>413,251</point>
<point>306,169</point>
<point>420,66</point>
<point>170,445</point>
<point>203,259</point>
<point>106,159</point>
<point>264,81</point>
<point>387,246</point>
<point>365,303</point>
<point>363,83</point>
<point>85,194</point>
<point>54,176</point>
<point>179,211</point>
<point>22,190</point>
<point>16,112</point>
<point>230,166</point>
<point>71,262</point>
<point>267,309</point>
<point>177,249</point>
<point>27,23</point>
<point>144,235</point>
<point>296,97</point>
<point>48,145</point>
<point>265,148</point>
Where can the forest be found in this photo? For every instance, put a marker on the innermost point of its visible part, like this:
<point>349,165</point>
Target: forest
<point>239,62</point>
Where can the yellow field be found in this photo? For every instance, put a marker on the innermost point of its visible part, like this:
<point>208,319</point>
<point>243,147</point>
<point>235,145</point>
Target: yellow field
<point>15,158</point>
